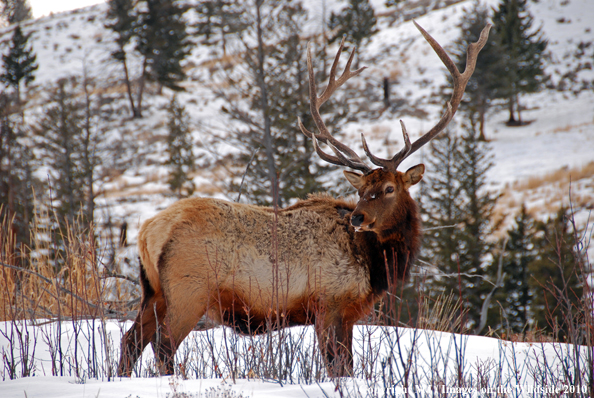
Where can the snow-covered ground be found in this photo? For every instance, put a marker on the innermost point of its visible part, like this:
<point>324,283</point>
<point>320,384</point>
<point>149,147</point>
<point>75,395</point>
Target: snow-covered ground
<point>383,356</point>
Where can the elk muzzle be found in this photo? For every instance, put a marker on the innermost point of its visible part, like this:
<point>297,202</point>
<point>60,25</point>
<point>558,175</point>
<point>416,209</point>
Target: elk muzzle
<point>361,221</point>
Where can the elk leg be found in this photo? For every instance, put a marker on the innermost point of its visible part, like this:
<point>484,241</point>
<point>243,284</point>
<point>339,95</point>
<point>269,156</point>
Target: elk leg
<point>185,307</point>
<point>142,332</point>
<point>164,350</point>
<point>335,339</point>
<point>344,349</point>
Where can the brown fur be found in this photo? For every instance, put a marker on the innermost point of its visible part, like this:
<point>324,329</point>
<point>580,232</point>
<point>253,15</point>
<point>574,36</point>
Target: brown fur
<point>245,265</point>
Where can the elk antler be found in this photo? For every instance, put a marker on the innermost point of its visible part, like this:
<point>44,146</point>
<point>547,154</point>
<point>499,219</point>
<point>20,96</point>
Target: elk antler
<point>346,156</point>
<point>460,81</point>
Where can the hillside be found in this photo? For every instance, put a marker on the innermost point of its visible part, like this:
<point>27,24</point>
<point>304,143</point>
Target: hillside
<point>536,164</point>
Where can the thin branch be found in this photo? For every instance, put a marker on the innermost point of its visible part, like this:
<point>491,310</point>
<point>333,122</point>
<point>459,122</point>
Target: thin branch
<point>436,272</point>
<point>110,274</point>
<point>244,174</point>
<point>498,283</point>
<point>442,227</point>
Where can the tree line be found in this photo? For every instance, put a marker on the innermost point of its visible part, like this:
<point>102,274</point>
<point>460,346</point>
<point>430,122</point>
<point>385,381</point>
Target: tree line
<point>507,285</point>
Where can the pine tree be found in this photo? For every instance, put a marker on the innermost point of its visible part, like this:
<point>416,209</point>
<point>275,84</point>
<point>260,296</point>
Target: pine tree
<point>123,19</point>
<point>490,75</point>
<point>219,19</point>
<point>475,163</point>
<point>457,211</point>
<point>556,281</point>
<point>61,136</point>
<point>524,49</point>
<point>356,22</point>
<point>163,43</point>
<point>292,151</point>
<point>17,182</point>
<point>441,206</point>
<point>179,148</point>
<point>19,64</point>
<point>94,146</point>
<point>514,298</point>
<point>15,11</point>
<point>289,98</point>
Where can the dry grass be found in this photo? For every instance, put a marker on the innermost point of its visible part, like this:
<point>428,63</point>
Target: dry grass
<point>546,194</point>
<point>46,283</point>
<point>445,314</point>
<point>563,176</point>
<point>531,336</point>
<point>571,127</point>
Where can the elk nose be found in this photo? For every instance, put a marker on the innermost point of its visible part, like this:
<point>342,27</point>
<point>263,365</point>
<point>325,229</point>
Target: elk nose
<point>357,220</point>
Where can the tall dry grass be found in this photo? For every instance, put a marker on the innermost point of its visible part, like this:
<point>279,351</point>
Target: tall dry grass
<point>61,275</point>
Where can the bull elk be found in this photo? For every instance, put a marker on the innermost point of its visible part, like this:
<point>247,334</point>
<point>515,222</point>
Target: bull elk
<point>322,261</point>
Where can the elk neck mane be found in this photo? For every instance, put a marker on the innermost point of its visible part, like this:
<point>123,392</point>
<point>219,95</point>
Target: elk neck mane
<point>393,251</point>
<point>388,255</point>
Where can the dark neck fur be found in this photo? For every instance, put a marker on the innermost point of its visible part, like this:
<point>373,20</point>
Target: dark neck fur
<point>391,254</point>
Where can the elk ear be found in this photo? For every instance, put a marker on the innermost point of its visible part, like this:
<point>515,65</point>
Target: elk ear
<point>355,179</point>
<point>414,175</point>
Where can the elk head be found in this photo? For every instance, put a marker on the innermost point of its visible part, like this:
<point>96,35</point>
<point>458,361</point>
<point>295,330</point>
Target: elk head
<point>383,191</point>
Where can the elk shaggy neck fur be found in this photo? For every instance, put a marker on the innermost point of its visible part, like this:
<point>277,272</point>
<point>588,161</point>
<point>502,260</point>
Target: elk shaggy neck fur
<point>387,256</point>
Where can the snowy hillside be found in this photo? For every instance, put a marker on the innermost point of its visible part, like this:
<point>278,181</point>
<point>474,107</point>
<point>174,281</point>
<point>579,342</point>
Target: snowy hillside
<point>533,164</point>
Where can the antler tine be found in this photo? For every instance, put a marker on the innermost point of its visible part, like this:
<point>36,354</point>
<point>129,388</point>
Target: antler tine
<point>460,82</point>
<point>345,155</point>
<point>396,159</point>
<point>333,84</point>
<point>339,159</point>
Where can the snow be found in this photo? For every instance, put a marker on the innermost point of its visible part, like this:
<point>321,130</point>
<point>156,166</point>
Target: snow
<point>431,356</point>
<point>67,387</point>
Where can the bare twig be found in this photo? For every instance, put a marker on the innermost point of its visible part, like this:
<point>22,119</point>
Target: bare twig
<point>498,283</point>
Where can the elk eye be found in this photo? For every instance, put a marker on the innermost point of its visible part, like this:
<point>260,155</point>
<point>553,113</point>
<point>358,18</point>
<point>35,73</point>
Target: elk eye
<point>390,189</point>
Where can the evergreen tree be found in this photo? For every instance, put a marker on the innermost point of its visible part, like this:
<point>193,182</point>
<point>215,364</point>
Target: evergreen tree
<point>292,151</point>
<point>17,182</point>
<point>475,163</point>
<point>19,64</point>
<point>123,18</point>
<point>95,149</point>
<point>514,298</point>
<point>356,22</point>
<point>490,75</point>
<point>219,19</point>
<point>441,207</point>
<point>163,43</point>
<point>179,148</point>
<point>523,48</point>
<point>15,11</point>
<point>61,137</point>
<point>457,211</point>
<point>556,281</point>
